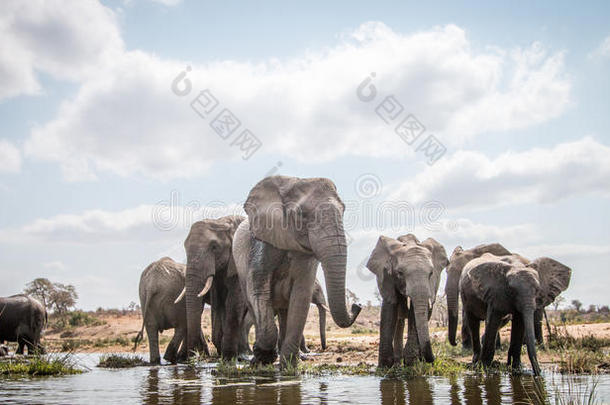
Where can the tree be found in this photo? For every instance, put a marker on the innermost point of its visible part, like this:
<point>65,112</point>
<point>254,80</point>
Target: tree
<point>63,298</point>
<point>41,289</point>
<point>577,305</point>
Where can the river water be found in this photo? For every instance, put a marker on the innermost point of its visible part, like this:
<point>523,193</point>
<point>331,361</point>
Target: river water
<point>185,385</point>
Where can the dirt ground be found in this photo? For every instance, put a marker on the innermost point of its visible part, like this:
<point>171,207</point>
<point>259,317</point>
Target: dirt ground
<point>353,345</point>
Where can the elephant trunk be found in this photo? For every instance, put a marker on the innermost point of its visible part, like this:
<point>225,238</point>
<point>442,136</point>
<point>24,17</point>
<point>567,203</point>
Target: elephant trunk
<point>322,315</point>
<point>329,246</point>
<point>195,283</point>
<point>530,339</point>
<point>420,307</point>
<point>451,291</point>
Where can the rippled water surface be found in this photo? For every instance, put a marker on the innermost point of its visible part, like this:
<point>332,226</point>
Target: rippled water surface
<point>184,385</point>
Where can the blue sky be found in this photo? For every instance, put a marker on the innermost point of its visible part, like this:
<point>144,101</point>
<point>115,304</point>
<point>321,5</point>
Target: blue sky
<point>93,143</point>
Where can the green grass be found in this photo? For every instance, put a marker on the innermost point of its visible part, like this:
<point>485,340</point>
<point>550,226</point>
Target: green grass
<point>359,330</point>
<point>41,365</point>
<point>442,366</point>
<point>233,370</point>
<point>121,361</point>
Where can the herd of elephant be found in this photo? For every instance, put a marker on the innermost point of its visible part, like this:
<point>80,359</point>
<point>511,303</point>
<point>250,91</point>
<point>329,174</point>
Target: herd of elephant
<point>253,269</point>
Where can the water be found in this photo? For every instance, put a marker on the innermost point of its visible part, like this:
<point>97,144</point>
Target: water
<point>184,385</point>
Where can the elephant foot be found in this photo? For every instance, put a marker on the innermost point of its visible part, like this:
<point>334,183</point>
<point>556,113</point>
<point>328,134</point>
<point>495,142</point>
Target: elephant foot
<point>263,356</point>
<point>290,360</point>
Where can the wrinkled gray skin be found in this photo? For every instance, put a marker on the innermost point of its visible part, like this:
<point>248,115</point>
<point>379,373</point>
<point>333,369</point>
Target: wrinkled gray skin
<point>319,300</point>
<point>459,259</point>
<point>210,269</point>
<point>408,274</point>
<point>160,284</point>
<point>293,225</point>
<point>494,288</point>
<point>22,320</point>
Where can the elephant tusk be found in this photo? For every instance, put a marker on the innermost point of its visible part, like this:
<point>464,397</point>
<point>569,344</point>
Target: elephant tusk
<point>206,287</point>
<point>180,296</point>
<point>430,303</point>
<point>408,303</point>
<point>324,307</point>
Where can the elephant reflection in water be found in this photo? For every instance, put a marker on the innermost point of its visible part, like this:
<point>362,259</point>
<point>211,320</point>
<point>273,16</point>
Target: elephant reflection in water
<point>158,390</point>
<point>281,394</point>
<point>528,389</point>
<point>418,391</point>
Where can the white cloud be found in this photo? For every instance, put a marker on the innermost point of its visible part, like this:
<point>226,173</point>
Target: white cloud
<point>471,179</point>
<point>603,50</point>
<point>10,157</point>
<point>69,40</point>
<point>145,223</point>
<point>168,3</point>
<point>128,122</point>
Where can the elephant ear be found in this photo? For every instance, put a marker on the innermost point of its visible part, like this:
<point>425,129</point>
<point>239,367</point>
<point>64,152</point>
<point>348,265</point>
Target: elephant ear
<point>488,278</point>
<point>493,248</point>
<point>382,260</point>
<point>439,260</point>
<point>279,208</point>
<point>554,278</point>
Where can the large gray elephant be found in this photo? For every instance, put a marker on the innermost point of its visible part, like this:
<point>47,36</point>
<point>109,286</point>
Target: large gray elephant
<point>160,284</point>
<point>458,260</point>
<point>22,320</point>
<point>408,275</point>
<point>210,268</point>
<point>493,288</point>
<point>319,300</point>
<point>293,225</point>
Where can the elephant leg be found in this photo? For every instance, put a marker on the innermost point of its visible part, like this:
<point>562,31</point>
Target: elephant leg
<point>398,335</point>
<point>411,350</point>
<point>232,316</point>
<point>182,353</point>
<point>171,352</point>
<point>245,333</point>
<point>386,333</point>
<point>263,260</point>
<point>303,347</point>
<point>473,325</point>
<point>492,323</point>
<point>21,345</point>
<point>216,311</point>
<point>303,270</point>
<point>498,341</point>
<point>153,344</point>
<point>516,341</point>
<point>466,338</point>
<point>282,315</point>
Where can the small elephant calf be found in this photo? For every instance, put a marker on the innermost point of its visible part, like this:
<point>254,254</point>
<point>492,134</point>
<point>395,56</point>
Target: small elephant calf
<point>160,284</point>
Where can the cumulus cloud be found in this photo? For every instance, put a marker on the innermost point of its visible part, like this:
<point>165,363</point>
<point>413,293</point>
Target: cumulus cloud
<point>10,157</point>
<point>69,40</point>
<point>129,122</point>
<point>162,222</point>
<point>471,179</point>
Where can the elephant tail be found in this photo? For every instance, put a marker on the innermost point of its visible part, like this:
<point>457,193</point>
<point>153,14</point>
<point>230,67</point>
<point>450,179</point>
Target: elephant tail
<point>140,334</point>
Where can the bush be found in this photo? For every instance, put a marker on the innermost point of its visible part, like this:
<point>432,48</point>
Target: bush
<point>80,318</point>
<point>120,361</point>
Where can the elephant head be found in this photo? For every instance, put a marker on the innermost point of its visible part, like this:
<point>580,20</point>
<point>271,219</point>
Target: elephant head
<point>305,215</point>
<point>458,260</point>
<point>412,269</point>
<point>208,256</point>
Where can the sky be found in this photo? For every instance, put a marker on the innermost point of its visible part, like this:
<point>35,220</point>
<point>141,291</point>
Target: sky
<point>467,122</point>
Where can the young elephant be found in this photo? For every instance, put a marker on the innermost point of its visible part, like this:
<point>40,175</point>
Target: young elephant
<point>494,288</point>
<point>22,320</point>
<point>160,284</point>
<point>459,259</point>
<point>210,268</point>
<point>408,274</point>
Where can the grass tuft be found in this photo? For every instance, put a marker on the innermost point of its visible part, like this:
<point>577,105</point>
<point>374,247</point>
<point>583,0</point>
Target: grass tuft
<point>121,361</point>
<point>40,365</point>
